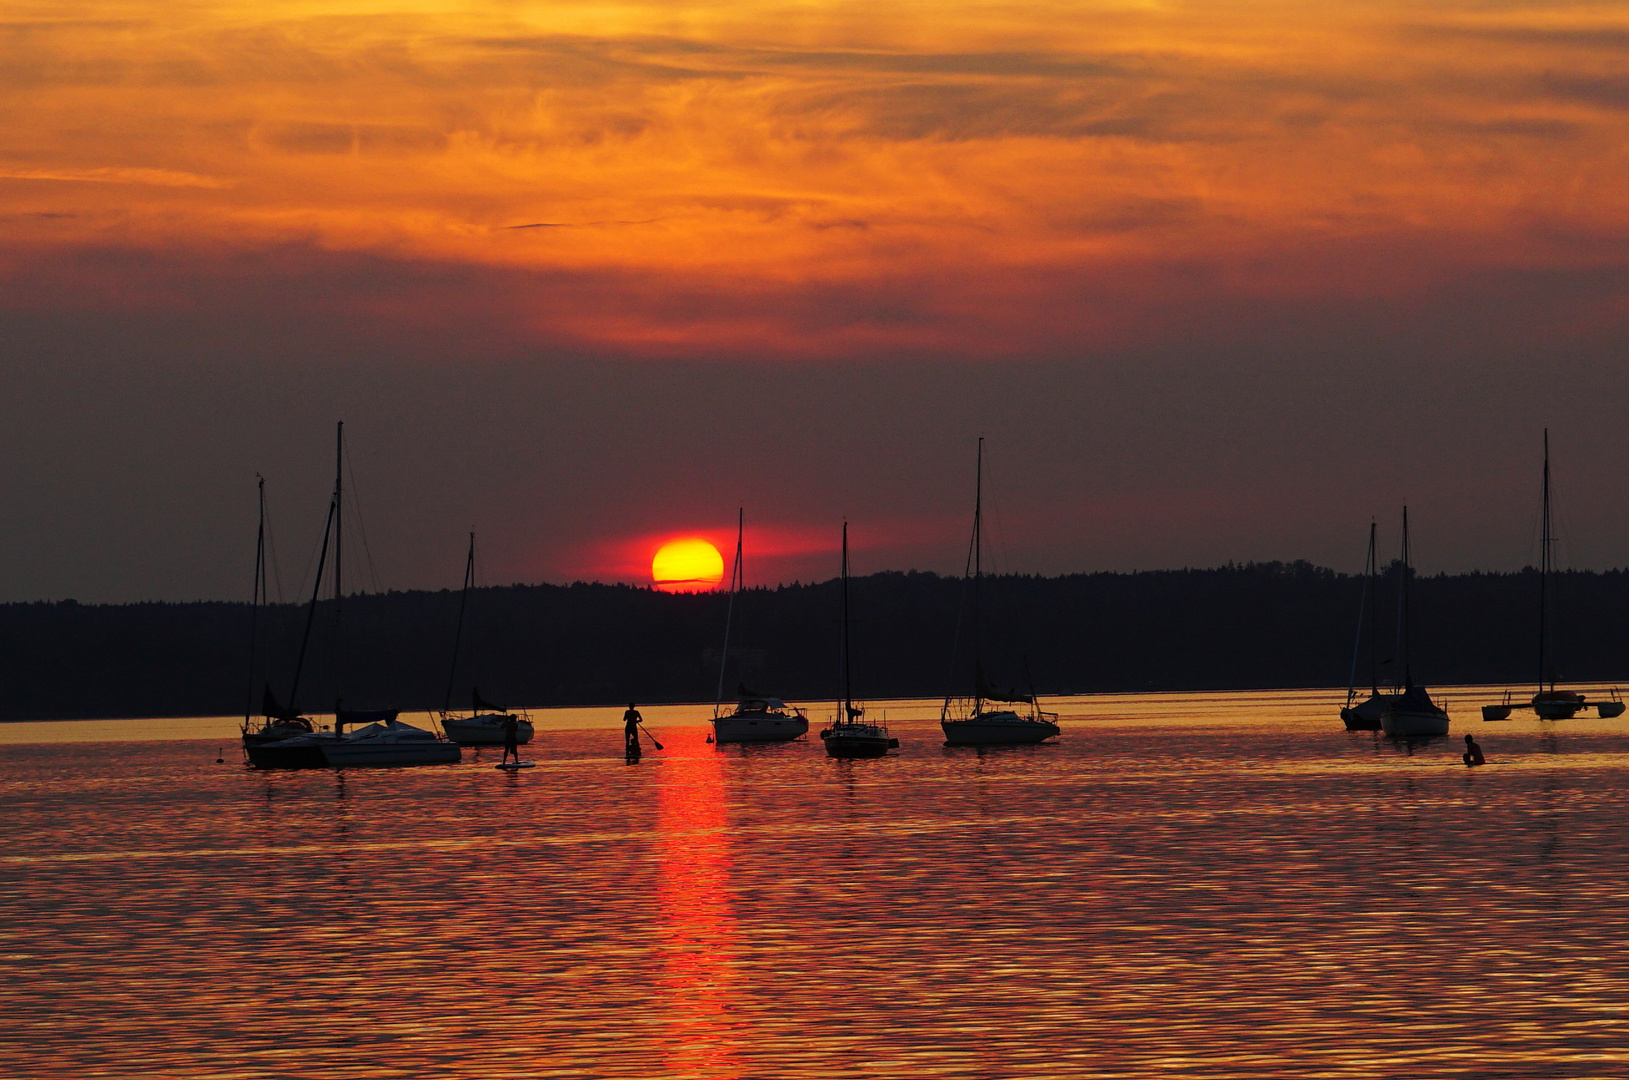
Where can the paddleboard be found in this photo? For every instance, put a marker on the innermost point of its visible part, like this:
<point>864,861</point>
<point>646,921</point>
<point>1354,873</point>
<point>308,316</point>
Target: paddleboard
<point>513,765</point>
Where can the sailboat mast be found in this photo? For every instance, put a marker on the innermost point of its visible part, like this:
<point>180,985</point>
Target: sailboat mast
<point>1373,570</point>
<point>1408,661</point>
<point>1363,607</point>
<point>458,634</point>
<point>848,701</point>
<point>978,555</point>
<point>729,612</point>
<point>339,586</point>
<point>1544,566</point>
<point>311,612</point>
<point>256,598</point>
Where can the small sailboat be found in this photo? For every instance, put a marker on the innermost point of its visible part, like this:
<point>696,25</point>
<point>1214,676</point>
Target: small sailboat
<point>757,717</point>
<point>1365,715</point>
<point>377,738</point>
<point>968,720</point>
<point>1550,701</point>
<point>485,724</point>
<point>276,722</point>
<point>851,735</point>
<point>1410,713</point>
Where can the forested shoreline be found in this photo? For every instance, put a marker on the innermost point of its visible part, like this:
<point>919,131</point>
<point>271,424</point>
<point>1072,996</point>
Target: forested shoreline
<point>1255,626</point>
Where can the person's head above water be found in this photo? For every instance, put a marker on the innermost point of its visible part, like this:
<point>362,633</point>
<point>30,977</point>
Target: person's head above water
<point>1467,738</point>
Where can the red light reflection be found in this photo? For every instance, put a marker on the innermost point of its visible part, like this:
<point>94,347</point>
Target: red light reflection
<point>697,976</point>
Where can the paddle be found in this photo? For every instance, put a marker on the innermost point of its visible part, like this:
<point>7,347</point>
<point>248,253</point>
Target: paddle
<point>651,737</point>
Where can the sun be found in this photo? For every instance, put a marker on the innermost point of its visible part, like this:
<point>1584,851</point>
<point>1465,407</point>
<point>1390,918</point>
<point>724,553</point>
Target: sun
<point>687,565</point>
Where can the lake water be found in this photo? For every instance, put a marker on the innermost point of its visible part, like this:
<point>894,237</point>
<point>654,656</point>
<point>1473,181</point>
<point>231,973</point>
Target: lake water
<point>1182,886</point>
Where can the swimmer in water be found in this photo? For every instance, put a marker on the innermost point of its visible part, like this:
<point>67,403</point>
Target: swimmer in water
<point>1473,753</point>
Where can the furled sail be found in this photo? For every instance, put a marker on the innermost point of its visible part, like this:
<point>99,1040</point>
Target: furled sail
<point>274,709</point>
<point>995,693</point>
<point>482,705</point>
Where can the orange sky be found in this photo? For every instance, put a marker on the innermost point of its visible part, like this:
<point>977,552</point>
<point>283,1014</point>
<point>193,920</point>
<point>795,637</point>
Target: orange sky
<point>818,183</point>
<point>689,157</point>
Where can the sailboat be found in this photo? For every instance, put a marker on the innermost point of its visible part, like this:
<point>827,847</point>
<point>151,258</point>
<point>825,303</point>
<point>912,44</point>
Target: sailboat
<point>377,738</point>
<point>1550,702</point>
<point>1365,715</point>
<point>757,717</point>
<point>1410,713</point>
<point>851,735</point>
<point>485,724</point>
<point>967,721</point>
<point>276,723</point>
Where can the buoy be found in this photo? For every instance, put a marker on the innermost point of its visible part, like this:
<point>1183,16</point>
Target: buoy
<point>220,755</point>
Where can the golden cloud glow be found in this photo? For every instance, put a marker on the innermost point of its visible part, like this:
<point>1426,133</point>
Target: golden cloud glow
<point>831,177</point>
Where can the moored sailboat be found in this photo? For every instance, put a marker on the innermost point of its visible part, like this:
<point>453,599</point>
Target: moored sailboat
<point>851,735</point>
<point>757,717</point>
<point>1549,701</point>
<point>970,720</point>
<point>487,723</point>
<point>1365,715</point>
<point>276,723</point>
<point>377,738</point>
<point>1410,713</point>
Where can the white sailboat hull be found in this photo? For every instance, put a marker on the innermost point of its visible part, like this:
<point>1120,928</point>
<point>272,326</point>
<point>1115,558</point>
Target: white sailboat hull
<point>385,744</point>
<point>1413,724</point>
<point>486,730</point>
<point>764,728</point>
<point>998,729</point>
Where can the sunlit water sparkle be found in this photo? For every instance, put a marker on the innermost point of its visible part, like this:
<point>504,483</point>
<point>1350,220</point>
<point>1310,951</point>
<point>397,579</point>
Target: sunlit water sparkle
<point>1183,886</point>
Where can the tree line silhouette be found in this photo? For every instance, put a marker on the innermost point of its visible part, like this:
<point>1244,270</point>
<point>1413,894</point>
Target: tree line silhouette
<point>1252,626</point>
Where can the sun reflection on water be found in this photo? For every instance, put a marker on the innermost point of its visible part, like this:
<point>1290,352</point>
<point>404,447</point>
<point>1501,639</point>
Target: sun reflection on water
<point>698,981</point>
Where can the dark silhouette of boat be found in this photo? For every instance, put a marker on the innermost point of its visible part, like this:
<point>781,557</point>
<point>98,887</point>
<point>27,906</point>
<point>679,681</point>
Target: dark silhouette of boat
<point>486,723</point>
<point>1410,713</point>
<point>757,717</point>
<point>980,719</point>
<point>1365,715</point>
<point>1550,701</point>
<point>377,736</point>
<point>851,735</point>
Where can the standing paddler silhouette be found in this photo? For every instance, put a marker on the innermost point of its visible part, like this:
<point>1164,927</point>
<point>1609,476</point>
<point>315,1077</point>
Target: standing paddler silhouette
<point>511,738</point>
<point>630,731</point>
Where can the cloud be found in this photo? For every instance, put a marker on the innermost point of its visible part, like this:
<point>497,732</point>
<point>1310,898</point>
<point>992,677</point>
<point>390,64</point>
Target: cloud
<point>114,175</point>
<point>312,138</point>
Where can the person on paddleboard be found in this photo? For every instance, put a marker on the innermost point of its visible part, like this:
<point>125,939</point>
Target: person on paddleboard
<point>1473,753</point>
<point>511,738</point>
<point>630,730</point>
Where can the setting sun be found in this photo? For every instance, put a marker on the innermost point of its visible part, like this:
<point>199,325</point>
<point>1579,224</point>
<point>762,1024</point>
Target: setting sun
<point>687,565</point>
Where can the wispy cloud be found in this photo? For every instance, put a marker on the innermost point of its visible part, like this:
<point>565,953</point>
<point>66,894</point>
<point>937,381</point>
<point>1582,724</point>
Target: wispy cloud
<point>114,175</point>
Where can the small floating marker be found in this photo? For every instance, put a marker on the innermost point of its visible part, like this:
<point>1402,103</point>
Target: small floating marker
<point>220,755</point>
<point>511,766</point>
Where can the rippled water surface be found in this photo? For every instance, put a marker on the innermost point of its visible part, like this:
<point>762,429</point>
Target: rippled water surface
<point>1182,886</point>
